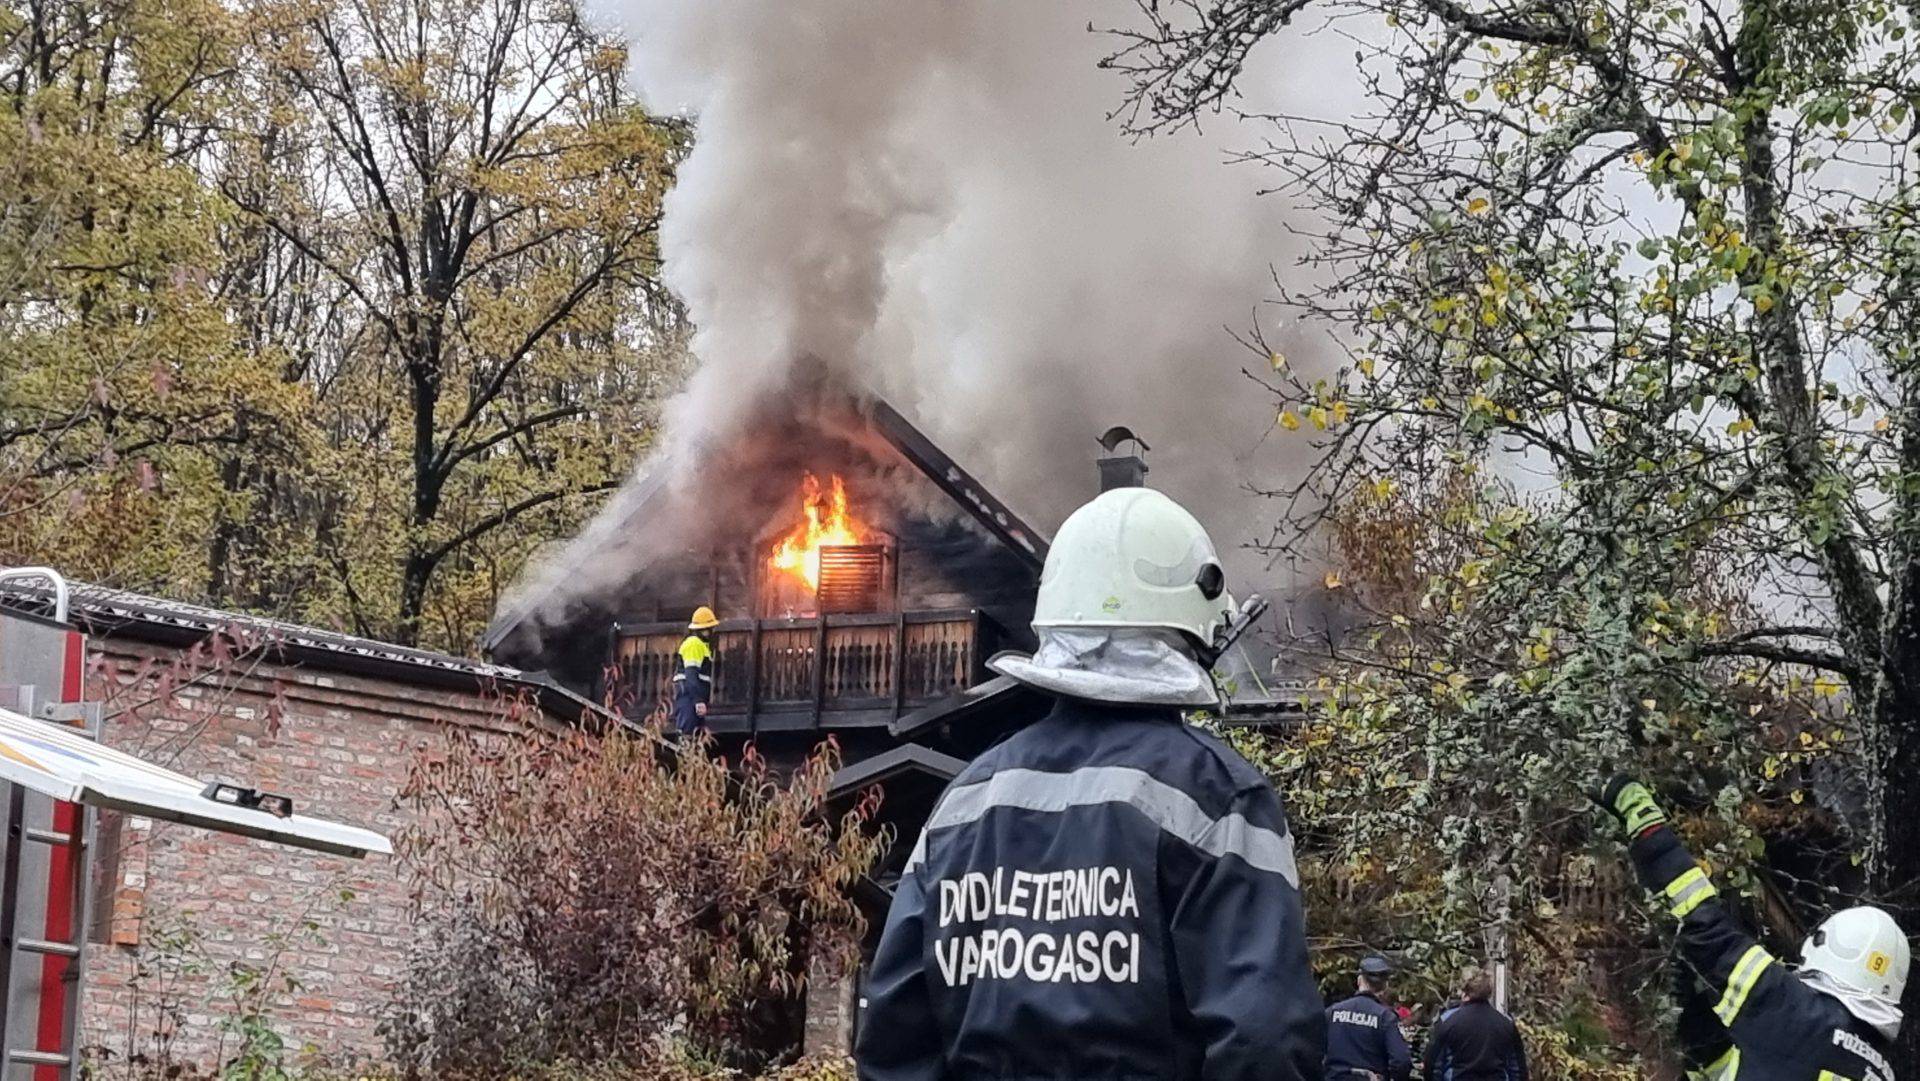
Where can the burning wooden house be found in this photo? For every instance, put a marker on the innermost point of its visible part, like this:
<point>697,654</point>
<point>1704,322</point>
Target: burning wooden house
<point>860,573</point>
<point>862,577</point>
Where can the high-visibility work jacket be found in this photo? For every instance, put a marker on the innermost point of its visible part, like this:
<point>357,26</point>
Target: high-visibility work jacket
<point>692,683</point>
<point>1108,894</point>
<point>1748,1018</point>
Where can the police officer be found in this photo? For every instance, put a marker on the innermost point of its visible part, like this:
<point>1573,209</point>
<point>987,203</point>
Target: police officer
<point>1110,892</point>
<point>1747,1017</point>
<point>693,679</point>
<point>1364,1042</point>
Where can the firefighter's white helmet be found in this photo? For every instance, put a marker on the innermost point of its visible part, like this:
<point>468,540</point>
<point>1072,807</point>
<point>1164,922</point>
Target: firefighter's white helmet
<point>1133,558</point>
<point>1861,949</point>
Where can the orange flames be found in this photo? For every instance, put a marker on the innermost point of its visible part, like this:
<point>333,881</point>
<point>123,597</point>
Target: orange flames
<point>827,521</point>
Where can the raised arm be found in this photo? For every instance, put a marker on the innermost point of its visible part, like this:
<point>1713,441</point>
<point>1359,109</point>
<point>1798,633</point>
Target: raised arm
<point>1738,973</point>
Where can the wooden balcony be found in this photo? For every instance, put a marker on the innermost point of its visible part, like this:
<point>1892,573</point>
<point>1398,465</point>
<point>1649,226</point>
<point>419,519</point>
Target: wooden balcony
<point>834,671</point>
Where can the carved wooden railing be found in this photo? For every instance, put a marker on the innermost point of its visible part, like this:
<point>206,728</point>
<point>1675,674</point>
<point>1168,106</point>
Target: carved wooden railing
<point>820,666</point>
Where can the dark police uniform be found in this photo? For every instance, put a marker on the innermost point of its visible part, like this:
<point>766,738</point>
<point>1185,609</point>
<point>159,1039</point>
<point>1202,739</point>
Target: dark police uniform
<point>1750,1019</point>
<point>1363,1038</point>
<point>692,684</point>
<point>1475,1042</point>
<point>1108,894</point>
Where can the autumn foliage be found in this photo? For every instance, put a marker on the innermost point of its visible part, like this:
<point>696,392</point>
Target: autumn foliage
<point>605,900</point>
<point>236,368</point>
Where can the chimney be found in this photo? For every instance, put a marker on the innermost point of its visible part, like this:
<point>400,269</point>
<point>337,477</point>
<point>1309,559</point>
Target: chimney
<point>1117,470</point>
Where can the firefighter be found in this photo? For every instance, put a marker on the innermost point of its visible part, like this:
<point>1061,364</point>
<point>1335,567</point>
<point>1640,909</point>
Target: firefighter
<point>1746,1017</point>
<point>1109,892</point>
<point>693,679</point>
<point>1364,1042</point>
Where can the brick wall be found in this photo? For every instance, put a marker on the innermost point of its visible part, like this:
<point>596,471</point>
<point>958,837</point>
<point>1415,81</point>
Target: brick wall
<point>831,1008</point>
<point>341,746</point>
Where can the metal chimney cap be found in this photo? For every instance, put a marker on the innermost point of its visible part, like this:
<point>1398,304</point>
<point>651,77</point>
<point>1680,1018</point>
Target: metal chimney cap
<point>1118,434</point>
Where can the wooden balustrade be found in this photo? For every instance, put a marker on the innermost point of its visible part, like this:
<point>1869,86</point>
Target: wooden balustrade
<point>820,665</point>
<point>860,663</point>
<point>940,659</point>
<point>786,666</point>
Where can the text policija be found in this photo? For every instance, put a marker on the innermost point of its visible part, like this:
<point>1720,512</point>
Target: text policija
<point>1050,955</point>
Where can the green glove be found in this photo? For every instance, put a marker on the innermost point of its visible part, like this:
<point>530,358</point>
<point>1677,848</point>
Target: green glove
<point>1632,803</point>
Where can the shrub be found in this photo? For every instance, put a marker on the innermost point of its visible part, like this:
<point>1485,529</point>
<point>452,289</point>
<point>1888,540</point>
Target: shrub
<point>591,899</point>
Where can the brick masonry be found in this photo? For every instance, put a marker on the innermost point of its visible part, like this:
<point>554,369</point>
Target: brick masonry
<point>831,1009</point>
<point>342,747</point>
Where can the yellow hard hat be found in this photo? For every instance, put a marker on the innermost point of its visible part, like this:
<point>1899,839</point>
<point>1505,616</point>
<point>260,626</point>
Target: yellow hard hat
<point>703,619</point>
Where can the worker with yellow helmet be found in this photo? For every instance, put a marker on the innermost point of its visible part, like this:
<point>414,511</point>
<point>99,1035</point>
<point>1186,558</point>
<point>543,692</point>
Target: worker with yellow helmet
<point>693,678</point>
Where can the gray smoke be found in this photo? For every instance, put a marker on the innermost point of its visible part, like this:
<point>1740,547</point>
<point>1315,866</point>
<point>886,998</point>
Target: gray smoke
<point>927,199</point>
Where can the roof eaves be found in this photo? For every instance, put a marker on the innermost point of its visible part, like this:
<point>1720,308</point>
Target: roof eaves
<point>959,706</point>
<point>509,619</point>
<point>891,763</point>
<point>999,519</point>
<point>106,613</point>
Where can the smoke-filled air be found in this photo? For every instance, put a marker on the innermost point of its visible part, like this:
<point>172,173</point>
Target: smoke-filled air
<point>930,201</point>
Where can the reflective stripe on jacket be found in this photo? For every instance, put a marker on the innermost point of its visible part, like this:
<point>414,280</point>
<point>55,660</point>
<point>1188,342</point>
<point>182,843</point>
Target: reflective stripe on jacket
<point>692,683</point>
<point>1744,1016</point>
<point>1108,894</point>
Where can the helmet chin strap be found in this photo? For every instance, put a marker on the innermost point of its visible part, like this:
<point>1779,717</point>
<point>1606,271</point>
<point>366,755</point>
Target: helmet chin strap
<point>1236,624</point>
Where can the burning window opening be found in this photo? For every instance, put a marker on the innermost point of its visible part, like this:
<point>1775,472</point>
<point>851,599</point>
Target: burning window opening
<point>831,561</point>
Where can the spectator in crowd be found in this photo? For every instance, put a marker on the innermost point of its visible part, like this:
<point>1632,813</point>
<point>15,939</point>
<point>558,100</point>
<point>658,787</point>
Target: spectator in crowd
<point>1474,1041</point>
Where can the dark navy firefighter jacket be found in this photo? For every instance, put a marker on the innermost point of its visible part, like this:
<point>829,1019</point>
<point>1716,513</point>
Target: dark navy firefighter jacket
<point>692,684</point>
<point>1745,1016</point>
<point>1108,894</point>
<point>1363,1038</point>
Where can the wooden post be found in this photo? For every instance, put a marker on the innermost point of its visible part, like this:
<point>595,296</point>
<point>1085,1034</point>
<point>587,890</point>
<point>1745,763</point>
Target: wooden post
<point>608,685</point>
<point>972,666</point>
<point>899,662</point>
<point>753,680</point>
<point>819,667</point>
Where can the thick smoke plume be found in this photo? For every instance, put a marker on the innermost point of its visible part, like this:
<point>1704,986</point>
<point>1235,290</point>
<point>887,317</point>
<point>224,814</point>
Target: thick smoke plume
<point>928,199</point>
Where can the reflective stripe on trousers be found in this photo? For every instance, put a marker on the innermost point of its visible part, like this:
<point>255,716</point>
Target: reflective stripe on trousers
<point>1724,1068</point>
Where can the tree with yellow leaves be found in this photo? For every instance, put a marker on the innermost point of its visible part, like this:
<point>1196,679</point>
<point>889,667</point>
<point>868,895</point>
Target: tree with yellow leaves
<point>469,185</point>
<point>123,384</point>
<point>1632,405</point>
<point>330,310</point>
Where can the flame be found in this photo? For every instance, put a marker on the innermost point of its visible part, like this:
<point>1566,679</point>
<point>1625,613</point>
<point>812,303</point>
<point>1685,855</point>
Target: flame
<point>827,521</point>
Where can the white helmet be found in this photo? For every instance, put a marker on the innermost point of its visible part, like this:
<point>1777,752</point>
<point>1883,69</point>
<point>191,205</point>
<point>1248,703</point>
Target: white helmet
<point>1861,949</point>
<point>1132,557</point>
